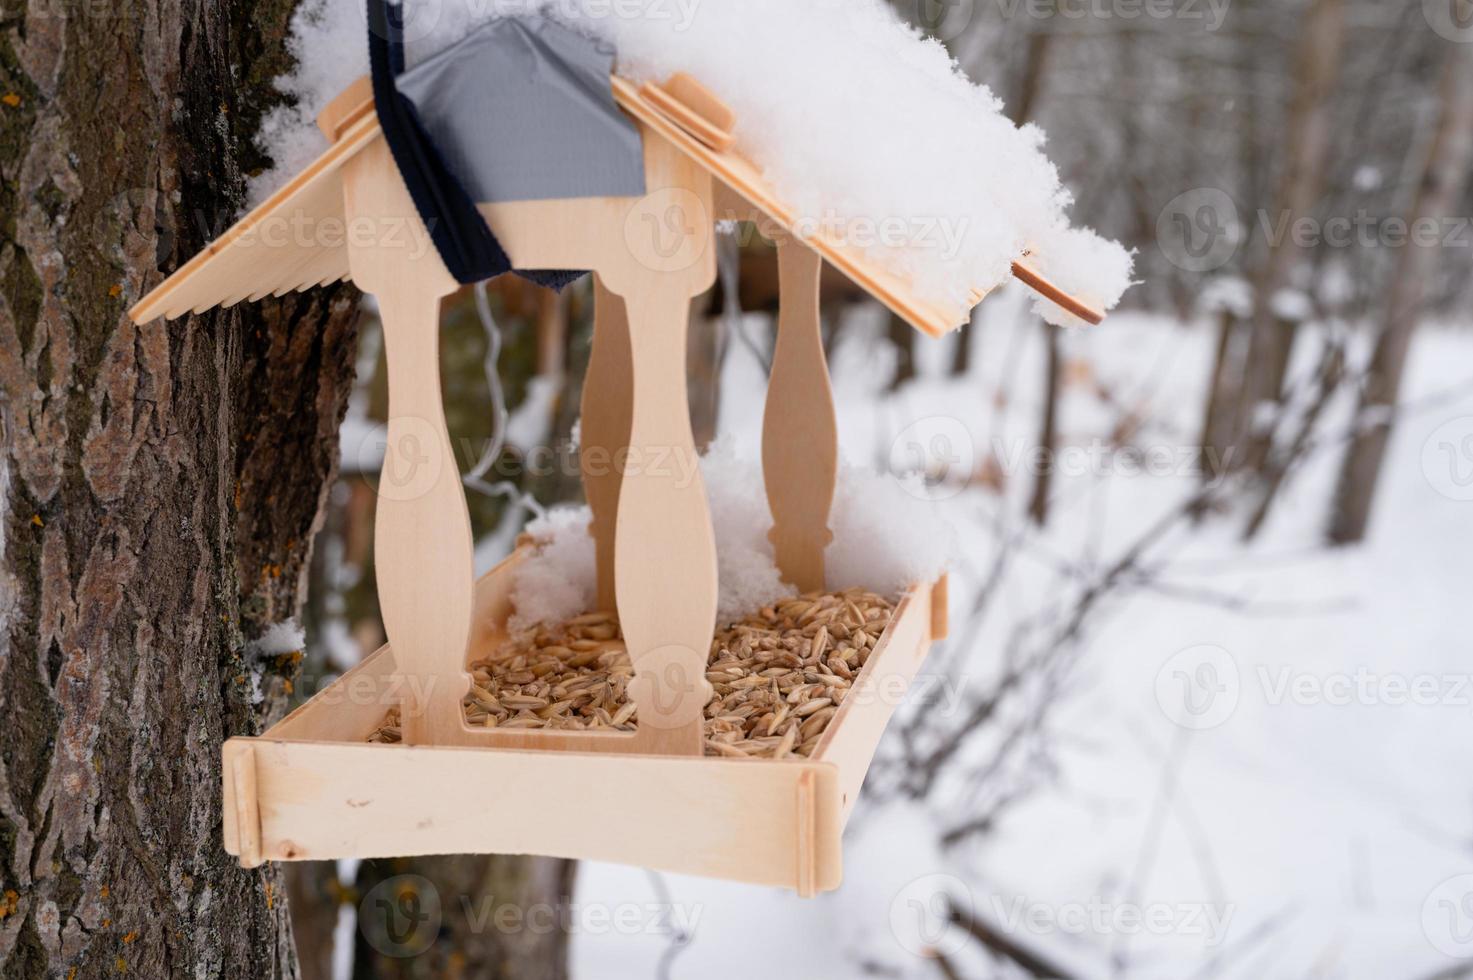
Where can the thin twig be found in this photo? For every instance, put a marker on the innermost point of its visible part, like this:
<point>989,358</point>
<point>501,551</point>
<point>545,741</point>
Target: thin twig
<point>1006,947</point>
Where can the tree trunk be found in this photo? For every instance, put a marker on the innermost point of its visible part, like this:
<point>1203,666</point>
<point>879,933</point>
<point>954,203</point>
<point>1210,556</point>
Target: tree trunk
<point>314,892</point>
<point>1442,186</point>
<point>159,490</point>
<point>1048,431</point>
<point>1214,460</point>
<point>1031,81</point>
<point>903,338</point>
<point>1309,129</point>
<point>489,918</point>
<point>1278,466</point>
<point>705,353</point>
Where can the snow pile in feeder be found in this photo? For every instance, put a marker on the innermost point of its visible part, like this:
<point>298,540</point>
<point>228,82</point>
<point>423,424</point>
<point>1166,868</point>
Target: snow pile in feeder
<point>888,146</point>
<point>745,566</point>
<point>560,580</point>
<point>887,536</point>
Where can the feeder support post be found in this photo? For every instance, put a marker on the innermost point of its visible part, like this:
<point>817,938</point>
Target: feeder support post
<point>422,532</point>
<point>800,432</point>
<point>608,407</point>
<point>665,547</point>
<point>655,253</point>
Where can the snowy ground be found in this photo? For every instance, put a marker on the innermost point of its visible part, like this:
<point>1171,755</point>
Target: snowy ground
<point>1276,791</point>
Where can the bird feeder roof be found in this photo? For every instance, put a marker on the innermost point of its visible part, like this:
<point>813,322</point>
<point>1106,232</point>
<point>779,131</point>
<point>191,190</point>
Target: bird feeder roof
<point>267,253</point>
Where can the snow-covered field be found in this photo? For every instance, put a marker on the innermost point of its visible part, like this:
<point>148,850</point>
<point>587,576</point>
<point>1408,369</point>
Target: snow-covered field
<point>1259,764</point>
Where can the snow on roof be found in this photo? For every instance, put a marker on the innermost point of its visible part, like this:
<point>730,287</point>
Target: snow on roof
<point>866,127</point>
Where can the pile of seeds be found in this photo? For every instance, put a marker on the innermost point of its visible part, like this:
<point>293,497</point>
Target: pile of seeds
<point>388,732</point>
<point>779,676</point>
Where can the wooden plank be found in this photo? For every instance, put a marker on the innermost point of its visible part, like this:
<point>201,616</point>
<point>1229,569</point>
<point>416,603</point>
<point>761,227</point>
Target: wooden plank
<point>747,181</point>
<point>665,544</point>
<point>244,821</point>
<point>493,606</point>
<point>223,272</point>
<point>718,818</point>
<point>608,413</point>
<point>1036,281</point>
<point>807,833</point>
<point>229,821</point>
<point>855,732</point>
<point>422,530</point>
<point>690,105</point>
<point>353,706</point>
<point>739,173</point>
<point>346,108</point>
<point>350,708</point>
<point>267,249</point>
<point>800,430</point>
<point>941,608</point>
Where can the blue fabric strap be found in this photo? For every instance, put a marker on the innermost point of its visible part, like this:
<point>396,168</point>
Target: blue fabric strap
<point>469,250</point>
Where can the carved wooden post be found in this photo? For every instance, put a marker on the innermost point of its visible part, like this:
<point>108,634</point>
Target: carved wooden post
<point>422,536</point>
<point>800,433</point>
<point>665,548</point>
<point>608,407</point>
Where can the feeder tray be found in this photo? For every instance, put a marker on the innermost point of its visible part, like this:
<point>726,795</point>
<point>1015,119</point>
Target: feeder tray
<point>312,787</point>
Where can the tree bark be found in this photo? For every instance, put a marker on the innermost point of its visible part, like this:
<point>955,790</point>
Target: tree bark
<point>1310,130</point>
<point>1031,81</point>
<point>1048,426</point>
<point>903,337</point>
<point>499,918</point>
<point>705,354</point>
<point>1213,459</point>
<point>1444,179</point>
<point>159,489</point>
<point>1278,466</point>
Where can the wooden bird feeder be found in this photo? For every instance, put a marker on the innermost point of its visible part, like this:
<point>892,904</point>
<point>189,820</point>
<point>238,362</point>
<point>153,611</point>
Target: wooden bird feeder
<point>312,787</point>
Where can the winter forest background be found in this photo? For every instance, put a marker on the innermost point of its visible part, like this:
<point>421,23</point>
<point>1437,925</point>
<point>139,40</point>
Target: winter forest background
<point>1206,704</point>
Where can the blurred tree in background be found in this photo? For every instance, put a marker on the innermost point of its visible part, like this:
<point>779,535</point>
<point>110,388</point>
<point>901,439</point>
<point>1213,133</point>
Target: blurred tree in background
<point>1273,152</point>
